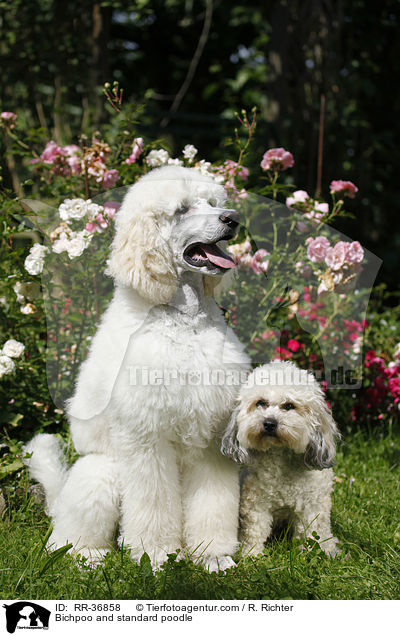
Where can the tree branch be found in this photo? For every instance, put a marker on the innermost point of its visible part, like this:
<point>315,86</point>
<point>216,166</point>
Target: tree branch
<point>193,64</point>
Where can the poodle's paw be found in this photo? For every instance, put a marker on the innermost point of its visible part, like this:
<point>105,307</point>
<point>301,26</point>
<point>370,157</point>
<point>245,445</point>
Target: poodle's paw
<point>91,556</point>
<point>219,563</point>
<point>157,556</point>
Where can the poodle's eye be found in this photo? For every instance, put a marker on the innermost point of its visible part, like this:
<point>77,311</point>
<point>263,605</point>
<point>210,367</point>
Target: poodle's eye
<point>288,406</point>
<point>212,202</point>
<point>261,404</point>
<point>182,209</point>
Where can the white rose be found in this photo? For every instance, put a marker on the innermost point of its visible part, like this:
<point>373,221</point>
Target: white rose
<point>61,245</point>
<point>72,209</point>
<point>6,365</point>
<point>35,260</point>
<point>205,168</point>
<point>38,250</point>
<point>76,247</point>
<point>18,291</point>
<point>157,158</point>
<point>189,152</point>
<point>13,349</point>
<point>28,309</point>
<point>175,162</point>
<point>93,209</point>
<point>85,236</point>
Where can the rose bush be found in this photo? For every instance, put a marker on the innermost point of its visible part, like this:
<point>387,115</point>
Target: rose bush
<point>298,292</point>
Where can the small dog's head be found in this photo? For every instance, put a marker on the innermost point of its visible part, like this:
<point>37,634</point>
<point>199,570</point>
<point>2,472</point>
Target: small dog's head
<point>282,406</point>
<point>171,221</point>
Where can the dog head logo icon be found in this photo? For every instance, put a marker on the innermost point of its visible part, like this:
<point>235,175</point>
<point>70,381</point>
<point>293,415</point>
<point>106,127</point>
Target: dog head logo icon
<point>26,615</point>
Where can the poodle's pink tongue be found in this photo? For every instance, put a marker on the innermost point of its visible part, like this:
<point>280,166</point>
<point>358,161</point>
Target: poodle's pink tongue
<point>217,256</point>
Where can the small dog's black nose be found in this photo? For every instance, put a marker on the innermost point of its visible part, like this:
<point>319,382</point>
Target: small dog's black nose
<point>270,425</point>
<point>230,218</point>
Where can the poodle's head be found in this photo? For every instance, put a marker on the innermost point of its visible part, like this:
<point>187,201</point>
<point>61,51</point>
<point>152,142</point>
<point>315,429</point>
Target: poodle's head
<point>282,406</point>
<point>171,221</point>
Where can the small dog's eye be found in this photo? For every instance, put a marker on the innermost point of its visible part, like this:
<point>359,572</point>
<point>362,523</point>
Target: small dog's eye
<point>212,202</point>
<point>183,209</point>
<point>261,403</point>
<point>288,406</point>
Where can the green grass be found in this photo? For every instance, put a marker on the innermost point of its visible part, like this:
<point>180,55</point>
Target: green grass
<point>365,517</point>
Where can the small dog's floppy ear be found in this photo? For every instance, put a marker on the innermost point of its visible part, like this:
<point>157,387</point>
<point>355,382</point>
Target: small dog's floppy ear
<point>230,444</point>
<point>141,258</point>
<point>321,450</point>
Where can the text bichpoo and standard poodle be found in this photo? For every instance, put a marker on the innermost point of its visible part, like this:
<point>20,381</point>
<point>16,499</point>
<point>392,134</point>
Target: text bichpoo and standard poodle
<point>283,431</point>
<point>146,431</point>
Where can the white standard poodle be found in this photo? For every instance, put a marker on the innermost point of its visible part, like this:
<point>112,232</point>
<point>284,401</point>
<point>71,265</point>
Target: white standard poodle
<point>283,431</point>
<point>157,389</point>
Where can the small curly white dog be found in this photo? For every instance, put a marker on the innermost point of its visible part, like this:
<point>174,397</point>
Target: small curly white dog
<point>283,431</point>
<point>145,416</point>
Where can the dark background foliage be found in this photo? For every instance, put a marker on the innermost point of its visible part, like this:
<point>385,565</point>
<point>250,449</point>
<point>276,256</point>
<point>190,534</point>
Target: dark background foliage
<point>193,63</point>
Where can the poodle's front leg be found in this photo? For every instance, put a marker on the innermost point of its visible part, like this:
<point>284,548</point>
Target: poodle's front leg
<point>211,506</point>
<point>151,501</point>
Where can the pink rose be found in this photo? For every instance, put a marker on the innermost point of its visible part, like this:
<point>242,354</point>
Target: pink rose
<point>321,207</point>
<point>294,345</point>
<point>317,249</point>
<point>51,152</point>
<point>336,256</point>
<point>8,118</point>
<point>110,178</point>
<point>232,168</point>
<point>101,221</point>
<point>137,149</point>
<point>277,159</point>
<point>260,261</point>
<point>394,386</point>
<point>346,187</point>
<point>355,253</point>
<point>92,228</point>
<point>110,208</point>
<point>299,196</point>
<point>72,158</point>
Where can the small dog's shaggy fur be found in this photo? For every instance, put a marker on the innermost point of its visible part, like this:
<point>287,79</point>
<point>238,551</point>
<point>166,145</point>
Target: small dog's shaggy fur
<point>150,459</point>
<point>283,430</point>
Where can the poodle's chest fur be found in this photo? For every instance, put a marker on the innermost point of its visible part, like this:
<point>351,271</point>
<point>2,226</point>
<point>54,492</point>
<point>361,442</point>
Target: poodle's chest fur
<point>158,372</point>
<point>181,375</point>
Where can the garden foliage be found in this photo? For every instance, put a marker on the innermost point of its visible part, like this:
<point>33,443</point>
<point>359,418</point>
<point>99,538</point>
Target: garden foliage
<point>300,289</point>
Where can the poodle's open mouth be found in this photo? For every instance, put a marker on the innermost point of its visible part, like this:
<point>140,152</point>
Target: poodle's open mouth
<point>208,255</point>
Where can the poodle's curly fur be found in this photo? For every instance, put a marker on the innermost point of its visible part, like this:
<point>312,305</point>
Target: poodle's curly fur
<point>283,431</point>
<point>149,455</point>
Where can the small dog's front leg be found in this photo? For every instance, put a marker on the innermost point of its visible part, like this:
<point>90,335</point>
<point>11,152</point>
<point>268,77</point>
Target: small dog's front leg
<point>318,520</point>
<point>255,518</point>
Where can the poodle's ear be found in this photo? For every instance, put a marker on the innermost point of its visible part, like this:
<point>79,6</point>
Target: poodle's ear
<point>321,450</point>
<point>141,258</point>
<point>230,446</point>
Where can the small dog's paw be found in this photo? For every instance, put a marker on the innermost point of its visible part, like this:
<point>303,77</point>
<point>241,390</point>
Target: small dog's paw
<point>252,550</point>
<point>219,564</point>
<point>331,548</point>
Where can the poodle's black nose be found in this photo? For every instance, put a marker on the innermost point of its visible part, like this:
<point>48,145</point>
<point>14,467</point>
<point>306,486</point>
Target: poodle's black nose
<point>230,218</point>
<point>270,425</point>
